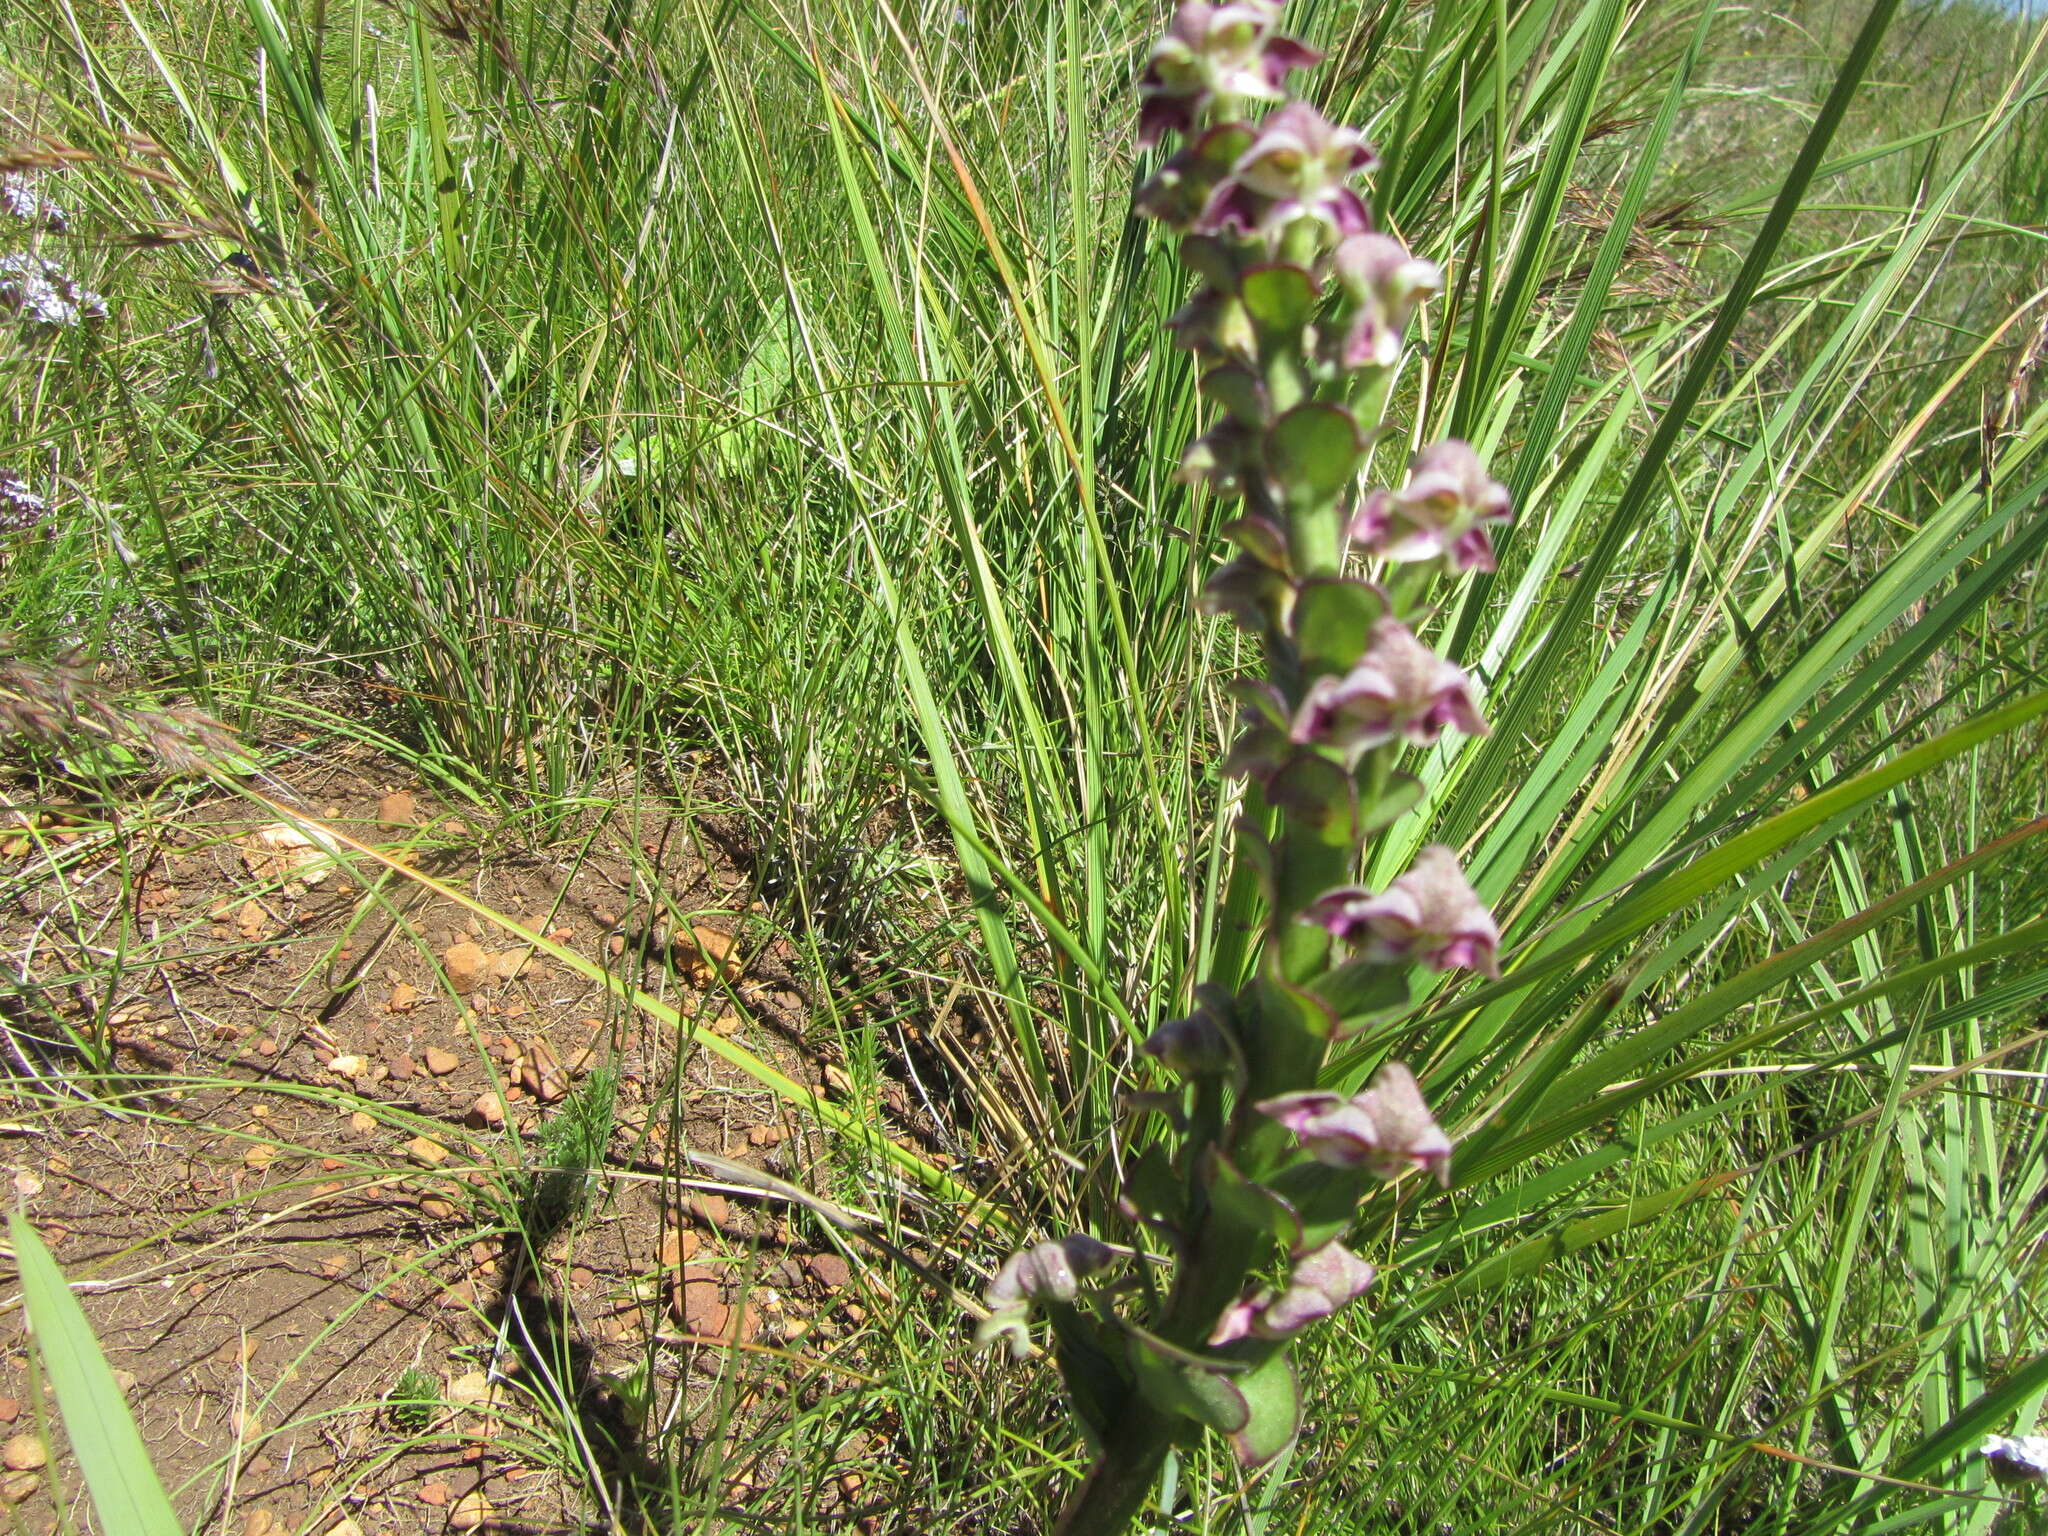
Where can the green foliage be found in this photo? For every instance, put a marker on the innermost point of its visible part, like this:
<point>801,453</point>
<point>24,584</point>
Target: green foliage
<point>111,1456</point>
<point>414,1401</point>
<point>785,384</point>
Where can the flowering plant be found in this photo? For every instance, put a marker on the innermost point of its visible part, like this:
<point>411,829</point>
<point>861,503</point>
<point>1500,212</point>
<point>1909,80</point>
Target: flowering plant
<point>1299,324</point>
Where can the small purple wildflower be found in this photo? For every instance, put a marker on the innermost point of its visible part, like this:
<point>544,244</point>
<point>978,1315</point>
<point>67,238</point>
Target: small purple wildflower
<point>43,293</point>
<point>1400,690</point>
<point>1430,916</point>
<point>20,508</point>
<point>1048,1271</point>
<point>1385,284</point>
<point>1442,511</point>
<point>1324,1281</point>
<point>1210,53</point>
<point>1298,165</point>
<point>1386,1129</point>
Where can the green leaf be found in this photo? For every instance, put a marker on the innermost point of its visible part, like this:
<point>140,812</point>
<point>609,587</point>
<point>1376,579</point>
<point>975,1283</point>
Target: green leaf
<point>1324,1201</point>
<point>1206,1396</point>
<point>1280,297</point>
<point>1313,451</point>
<point>1333,620</point>
<point>111,1457</point>
<point>1319,797</point>
<point>1272,1398</point>
<point>1401,793</point>
<point>1361,993</point>
<point>1238,390</point>
<point>1251,1205</point>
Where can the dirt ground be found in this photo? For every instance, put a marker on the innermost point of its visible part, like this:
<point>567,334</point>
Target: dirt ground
<point>302,1181</point>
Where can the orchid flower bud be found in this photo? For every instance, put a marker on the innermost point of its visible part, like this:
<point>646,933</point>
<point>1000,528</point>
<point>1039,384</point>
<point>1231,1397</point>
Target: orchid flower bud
<point>1430,916</point>
<point>1198,1045</point>
<point>1323,1282</point>
<point>1385,286</point>
<point>1048,1271</point>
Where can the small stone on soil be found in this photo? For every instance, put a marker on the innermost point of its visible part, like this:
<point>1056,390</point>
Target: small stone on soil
<point>401,1066</point>
<point>24,1453</point>
<point>465,964</point>
<point>16,1486</point>
<point>472,1512</point>
<point>487,1113</point>
<point>435,1494</point>
<point>362,1120</point>
<point>470,1387</point>
<point>432,1153</point>
<point>440,1062</point>
<point>829,1270</point>
<point>10,1409</point>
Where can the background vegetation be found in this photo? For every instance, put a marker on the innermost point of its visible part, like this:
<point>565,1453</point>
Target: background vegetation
<point>588,386</point>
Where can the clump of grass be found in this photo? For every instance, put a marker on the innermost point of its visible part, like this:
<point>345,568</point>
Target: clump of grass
<point>414,1401</point>
<point>572,1145</point>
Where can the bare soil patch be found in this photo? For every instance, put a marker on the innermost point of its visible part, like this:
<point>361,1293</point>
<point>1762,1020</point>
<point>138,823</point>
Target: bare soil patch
<point>285,1122</point>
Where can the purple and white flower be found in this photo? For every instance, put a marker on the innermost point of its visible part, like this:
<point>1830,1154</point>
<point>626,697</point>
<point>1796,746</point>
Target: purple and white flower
<point>20,199</point>
<point>1050,1271</point>
<point>1385,285</point>
<point>1322,1282</point>
<point>1399,690</point>
<point>20,507</point>
<point>1430,916</point>
<point>2017,1458</point>
<point>1386,1129</point>
<point>42,293</point>
<point>1299,165</point>
<point>1442,512</point>
<point>1210,53</point>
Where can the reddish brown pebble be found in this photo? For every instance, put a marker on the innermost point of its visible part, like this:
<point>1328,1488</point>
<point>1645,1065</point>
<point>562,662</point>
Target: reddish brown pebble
<point>10,1410</point>
<point>487,1113</point>
<point>266,1046</point>
<point>465,964</point>
<point>401,1066</point>
<point>829,1270</point>
<point>711,1209</point>
<point>440,1062</point>
<point>699,1306</point>
<point>435,1494</point>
